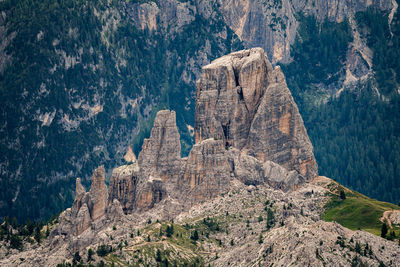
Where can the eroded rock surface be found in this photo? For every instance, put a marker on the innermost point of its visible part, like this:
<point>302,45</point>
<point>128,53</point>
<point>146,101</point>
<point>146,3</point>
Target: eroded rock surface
<point>123,186</point>
<point>246,103</point>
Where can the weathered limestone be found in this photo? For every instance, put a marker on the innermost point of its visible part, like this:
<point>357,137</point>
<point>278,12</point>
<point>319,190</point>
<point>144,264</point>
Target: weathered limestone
<point>79,194</point>
<point>160,155</point>
<point>88,206</point>
<point>129,155</point>
<point>243,101</point>
<point>277,132</point>
<point>247,127</point>
<point>83,220</point>
<point>98,194</point>
<point>207,171</point>
<point>228,94</point>
<point>123,186</point>
<point>152,192</point>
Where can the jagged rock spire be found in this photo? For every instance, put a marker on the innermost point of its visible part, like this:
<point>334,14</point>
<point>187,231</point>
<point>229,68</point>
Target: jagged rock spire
<point>98,194</point>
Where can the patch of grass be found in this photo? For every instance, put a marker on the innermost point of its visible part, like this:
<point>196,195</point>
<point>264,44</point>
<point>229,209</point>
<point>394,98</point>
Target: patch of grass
<point>356,211</point>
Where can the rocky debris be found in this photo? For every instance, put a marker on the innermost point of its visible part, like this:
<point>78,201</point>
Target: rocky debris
<point>394,217</point>
<point>123,186</point>
<point>391,218</point>
<point>245,168</point>
<point>297,237</point>
<point>279,177</point>
<point>243,101</point>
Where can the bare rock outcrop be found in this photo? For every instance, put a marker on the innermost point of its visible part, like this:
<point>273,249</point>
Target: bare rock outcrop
<point>88,206</point>
<point>243,101</point>
<point>277,132</point>
<point>159,161</point>
<point>150,193</point>
<point>207,172</point>
<point>98,194</point>
<point>123,186</point>
<point>161,153</point>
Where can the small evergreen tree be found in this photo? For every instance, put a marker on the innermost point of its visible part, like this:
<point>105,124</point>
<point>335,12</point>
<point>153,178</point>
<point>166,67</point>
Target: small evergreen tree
<point>37,234</point>
<point>77,258</point>
<point>342,195</point>
<point>90,255</point>
<point>260,239</point>
<point>195,235</point>
<point>47,230</point>
<point>358,248</point>
<point>384,230</point>
<point>158,255</point>
<point>15,242</point>
<point>170,230</point>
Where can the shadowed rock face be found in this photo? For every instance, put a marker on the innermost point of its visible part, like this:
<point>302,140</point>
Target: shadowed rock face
<point>88,206</point>
<point>123,186</point>
<point>243,101</point>
<point>160,161</point>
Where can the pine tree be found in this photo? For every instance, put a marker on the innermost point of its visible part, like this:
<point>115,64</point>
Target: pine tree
<point>195,235</point>
<point>384,230</point>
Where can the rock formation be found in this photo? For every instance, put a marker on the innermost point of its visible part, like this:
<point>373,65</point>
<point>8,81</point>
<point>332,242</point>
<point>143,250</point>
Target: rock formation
<point>243,101</point>
<point>98,194</point>
<point>247,127</point>
<point>88,206</point>
<point>250,143</point>
<point>207,171</point>
<point>123,186</point>
<point>161,153</point>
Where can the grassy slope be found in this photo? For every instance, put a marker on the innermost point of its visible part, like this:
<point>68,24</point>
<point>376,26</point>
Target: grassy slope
<point>357,211</point>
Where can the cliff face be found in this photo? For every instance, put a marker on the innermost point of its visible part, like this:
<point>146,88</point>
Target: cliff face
<point>247,128</point>
<point>272,25</point>
<point>246,103</point>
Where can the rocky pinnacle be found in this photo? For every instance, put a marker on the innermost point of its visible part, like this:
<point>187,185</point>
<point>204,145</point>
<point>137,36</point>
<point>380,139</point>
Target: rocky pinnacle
<point>246,103</point>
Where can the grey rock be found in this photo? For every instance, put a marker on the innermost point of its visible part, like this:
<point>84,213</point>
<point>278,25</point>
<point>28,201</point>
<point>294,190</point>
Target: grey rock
<point>123,186</point>
<point>243,101</point>
<point>98,194</point>
<point>160,155</point>
<point>206,172</point>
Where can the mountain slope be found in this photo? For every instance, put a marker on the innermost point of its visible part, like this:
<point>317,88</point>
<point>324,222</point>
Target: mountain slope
<point>235,194</point>
<point>81,81</point>
<point>80,84</point>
